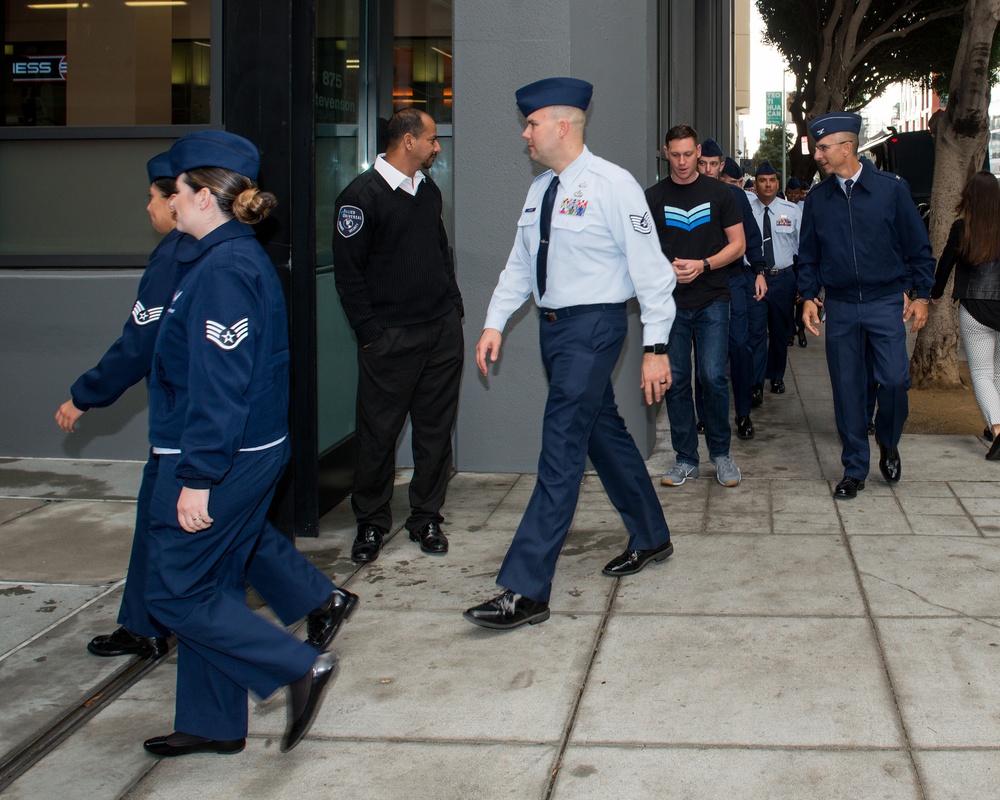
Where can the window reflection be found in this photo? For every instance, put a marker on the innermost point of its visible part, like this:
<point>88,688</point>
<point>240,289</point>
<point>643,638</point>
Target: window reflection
<point>422,57</point>
<point>107,63</point>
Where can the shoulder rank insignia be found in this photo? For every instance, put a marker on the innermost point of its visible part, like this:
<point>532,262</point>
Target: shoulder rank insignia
<point>641,224</point>
<point>143,315</point>
<point>228,338</point>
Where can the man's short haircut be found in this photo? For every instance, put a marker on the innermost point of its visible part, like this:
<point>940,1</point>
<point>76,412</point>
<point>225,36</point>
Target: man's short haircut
<point>405,121</point>
<point>853,139</point>
<point>681,132</point>
<point>573,115</point>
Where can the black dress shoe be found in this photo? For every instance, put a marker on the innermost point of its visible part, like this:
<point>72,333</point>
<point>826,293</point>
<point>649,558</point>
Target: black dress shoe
<point>993,454</point>
<point>756,395</point>
<point>871,427</point>
<point>848,488</point>
<point>700,426</point>
<point>803,342</point>
<point>367,544</point>
<point>185,744</point>
<point>125,643</point>
<point>632,561</point>
<point>744,427</point>
<point>431,538</point>
<point>306,696</point>
<point>889,463</point>
<point>777,387</point>
<point>988,434</point>
<point>791,340</point>
<point>323,623</point>
<point>508,611</point>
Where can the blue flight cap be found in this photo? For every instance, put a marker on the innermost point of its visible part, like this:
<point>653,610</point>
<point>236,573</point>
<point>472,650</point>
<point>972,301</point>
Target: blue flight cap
<point>710,148</point>
<point>732,169</point>
<point>159,167</point>
<point>215,149</point>
<point>765,168</point>
<point>835,122</point>
<point>793,183</point>
<point>554,92</point>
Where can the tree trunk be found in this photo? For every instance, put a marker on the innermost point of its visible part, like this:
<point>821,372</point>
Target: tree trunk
<point>962,132</point>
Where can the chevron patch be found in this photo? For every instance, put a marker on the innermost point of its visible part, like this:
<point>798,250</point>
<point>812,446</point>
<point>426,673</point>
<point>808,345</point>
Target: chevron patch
<point>641,224</point>
<point>227,337</point>
<point>143,315</point>
<point>687,220</point>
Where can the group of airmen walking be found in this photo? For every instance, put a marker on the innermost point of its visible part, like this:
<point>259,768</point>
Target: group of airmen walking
<point>717,272</point>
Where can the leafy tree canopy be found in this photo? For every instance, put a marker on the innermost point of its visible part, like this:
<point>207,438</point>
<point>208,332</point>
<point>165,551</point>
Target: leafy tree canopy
<point>769,149</point>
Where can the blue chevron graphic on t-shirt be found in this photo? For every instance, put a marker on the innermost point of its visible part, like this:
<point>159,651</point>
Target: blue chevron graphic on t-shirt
<point>687,220</point>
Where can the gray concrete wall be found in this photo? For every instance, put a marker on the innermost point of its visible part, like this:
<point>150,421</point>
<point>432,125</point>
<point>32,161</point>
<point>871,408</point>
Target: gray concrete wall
<point>500,48</point>
<point>55,325</point>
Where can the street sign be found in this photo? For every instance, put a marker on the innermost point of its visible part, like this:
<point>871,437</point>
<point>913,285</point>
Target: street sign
<point>774,109</point>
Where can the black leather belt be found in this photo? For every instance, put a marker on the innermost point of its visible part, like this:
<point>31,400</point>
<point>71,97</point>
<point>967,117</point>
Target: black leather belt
<point>553,314</point>
<point>775,271</point>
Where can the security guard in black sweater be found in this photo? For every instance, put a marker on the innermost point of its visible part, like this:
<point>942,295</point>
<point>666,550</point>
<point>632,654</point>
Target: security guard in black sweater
<point>396,281</point>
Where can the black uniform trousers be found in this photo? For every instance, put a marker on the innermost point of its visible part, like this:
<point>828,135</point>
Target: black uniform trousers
<point>415,370</point>
<point>581,420</point>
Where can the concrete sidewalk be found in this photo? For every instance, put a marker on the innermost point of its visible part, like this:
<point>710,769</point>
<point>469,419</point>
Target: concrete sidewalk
<point>793,647</point>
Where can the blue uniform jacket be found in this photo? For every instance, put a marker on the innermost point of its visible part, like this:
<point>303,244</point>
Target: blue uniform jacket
<point>129,359</point>
<point>755,242</point>
<point>870,246</point>
<point>220,369</point>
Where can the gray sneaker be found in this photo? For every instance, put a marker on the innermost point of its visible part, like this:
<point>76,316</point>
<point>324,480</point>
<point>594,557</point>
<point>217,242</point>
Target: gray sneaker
<point>679,473</point>
<point>726,471</point>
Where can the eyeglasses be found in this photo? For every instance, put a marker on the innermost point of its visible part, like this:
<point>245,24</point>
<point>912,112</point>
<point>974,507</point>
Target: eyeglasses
<point>824,147</point>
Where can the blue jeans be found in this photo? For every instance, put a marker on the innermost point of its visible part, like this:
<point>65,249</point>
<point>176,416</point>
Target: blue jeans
<point>708,330</point>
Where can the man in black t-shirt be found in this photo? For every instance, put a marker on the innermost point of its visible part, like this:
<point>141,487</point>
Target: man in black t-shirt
<point>397,285</point>
<point>701,231</point>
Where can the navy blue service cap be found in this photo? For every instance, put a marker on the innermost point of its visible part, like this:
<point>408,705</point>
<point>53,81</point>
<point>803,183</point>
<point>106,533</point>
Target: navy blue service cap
<point>554,92</point>
<point>732,169</point>
<point>710,148</point>
<point>215,149</point>
<point>835,122</point>
<point>159,167</point>
<point>793,183</point>
<point>765,168</point>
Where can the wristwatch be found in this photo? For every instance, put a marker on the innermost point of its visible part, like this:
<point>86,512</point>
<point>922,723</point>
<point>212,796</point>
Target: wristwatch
<point>708,267</point>
<point>658,349</point>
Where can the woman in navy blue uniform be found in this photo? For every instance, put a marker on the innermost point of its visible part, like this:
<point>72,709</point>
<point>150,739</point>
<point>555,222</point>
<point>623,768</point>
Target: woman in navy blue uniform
<point>126,363</point>
<point>218,421</point>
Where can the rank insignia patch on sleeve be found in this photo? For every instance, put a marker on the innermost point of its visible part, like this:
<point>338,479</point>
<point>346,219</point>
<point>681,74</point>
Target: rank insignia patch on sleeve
<point>228,338</point>
<point>350,220</point>
<point>143,315</point>
<point>641,224</point>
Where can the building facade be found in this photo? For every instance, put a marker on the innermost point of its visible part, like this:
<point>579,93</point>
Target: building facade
<point>92,90</point>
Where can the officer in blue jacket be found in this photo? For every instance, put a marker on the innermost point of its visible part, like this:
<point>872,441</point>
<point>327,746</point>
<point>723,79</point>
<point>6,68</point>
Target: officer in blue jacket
<point>863,240</point>
<point>125,363</point>
<point>276,563</point>
<point>218,422</point>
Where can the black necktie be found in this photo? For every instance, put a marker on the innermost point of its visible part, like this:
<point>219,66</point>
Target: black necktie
<point>847,187</point>
<point>768,244</point>
<point>544,227</point>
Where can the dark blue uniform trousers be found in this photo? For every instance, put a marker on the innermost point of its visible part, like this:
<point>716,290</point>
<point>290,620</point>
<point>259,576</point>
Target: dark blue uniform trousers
<point>276,564</point>
<point>756,331</point>
<point>197,588</point>
<point>780,300</point>
<point>848,326</point>
<point>581,420</point>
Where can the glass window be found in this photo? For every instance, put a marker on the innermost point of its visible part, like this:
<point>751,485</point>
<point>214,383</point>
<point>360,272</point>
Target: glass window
<point>107,63</point>
<point>421,57</point>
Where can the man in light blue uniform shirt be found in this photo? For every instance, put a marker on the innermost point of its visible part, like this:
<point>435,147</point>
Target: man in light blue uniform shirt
<point>778,221</point>
<point>584,246</point>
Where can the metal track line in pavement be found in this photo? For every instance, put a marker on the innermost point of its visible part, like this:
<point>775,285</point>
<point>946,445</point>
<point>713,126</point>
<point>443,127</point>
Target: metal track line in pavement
<point>22,758</point>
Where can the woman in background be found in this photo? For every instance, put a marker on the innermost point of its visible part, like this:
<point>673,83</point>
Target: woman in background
<point>973,251</point>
